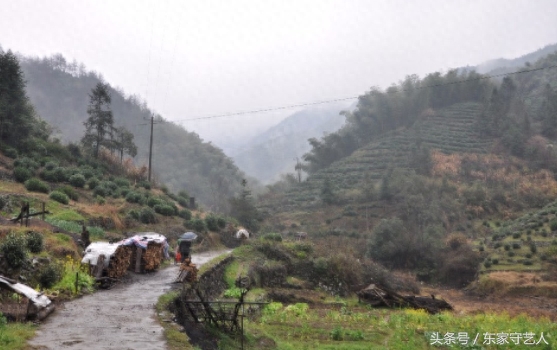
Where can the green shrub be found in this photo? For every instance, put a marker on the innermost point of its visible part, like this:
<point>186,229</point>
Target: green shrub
<point>92,183</point>
<point>221,223</point>
<point>116,193</point>
<point>121,182</point>
<point>77,180</point>
<point>69,191</point>
<point>164,189</point>
<point>101,191</point>
<point>527,262</point>
<point>516,235</point>
<point>87,172</point>
<point>134,214</point>
<point>25,162</point>
<point>487,264</point>
<point>196,225</point>
<point>51,165</point>
<point>145,184</point>
<point>507,246</point>
<point>303,247</point>
<point>511,254</point>
<point>211,222</point>
<point>147,216</point>
<point>553,225</point>
<point>49,275</point>
<point>152,201</point>
<point>14,250</point>
<point>100,200</point>
<point>22,174</point>
<point>48,175</point>
<point>533,248</point>
<point>164,209</point>
<point>185,214</point>
<point>34,242</point>
<point>321,265</point>
<point>495,261</point>
<point>36,185</point>
<point>110,185</point>
<point>133,197</point>
<point>60,197</point>
<point>516,245</point>
<point>61,174</point>
<point>272,237</point>
<point>10,152</point>
<point>124,192</point>
<point>58,174</point>
<point>336,333</point>
<point>183,202</point>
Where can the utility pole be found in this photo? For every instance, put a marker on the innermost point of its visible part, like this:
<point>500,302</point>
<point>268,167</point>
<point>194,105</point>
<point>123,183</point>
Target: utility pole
<point>151,146</point>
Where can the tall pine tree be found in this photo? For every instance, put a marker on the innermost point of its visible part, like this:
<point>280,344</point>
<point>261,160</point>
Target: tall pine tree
<point>99,125</point>
<point>16,112</point>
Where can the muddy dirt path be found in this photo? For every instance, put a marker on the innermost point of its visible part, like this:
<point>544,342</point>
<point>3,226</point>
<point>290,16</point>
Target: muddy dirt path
<point>119,318</point>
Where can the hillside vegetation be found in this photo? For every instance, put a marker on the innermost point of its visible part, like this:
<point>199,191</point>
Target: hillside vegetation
<point>59,91</point>
<point>430,160</point>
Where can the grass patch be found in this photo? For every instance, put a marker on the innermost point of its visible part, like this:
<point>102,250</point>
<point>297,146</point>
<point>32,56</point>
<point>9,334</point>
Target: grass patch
<point>296,327</point>
<point>67,215</point>
<point>14,336</point>
<point>72,270</point>
<point>74,227</point>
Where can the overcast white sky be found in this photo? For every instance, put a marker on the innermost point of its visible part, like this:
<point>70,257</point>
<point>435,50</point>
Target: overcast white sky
<point>191,59</point>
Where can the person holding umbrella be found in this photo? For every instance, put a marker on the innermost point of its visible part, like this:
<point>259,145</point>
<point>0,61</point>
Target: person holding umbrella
<point>184,245</point>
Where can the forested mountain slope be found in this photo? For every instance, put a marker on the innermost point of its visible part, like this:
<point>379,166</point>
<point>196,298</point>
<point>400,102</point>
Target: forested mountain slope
<point>430,175</point>
<point>414,131</point>
<point>60,93</point>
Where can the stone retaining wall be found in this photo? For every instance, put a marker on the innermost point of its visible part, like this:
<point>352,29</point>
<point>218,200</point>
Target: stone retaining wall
<point>211,282</point>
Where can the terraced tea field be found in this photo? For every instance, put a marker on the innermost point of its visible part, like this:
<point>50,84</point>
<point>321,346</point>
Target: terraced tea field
<point>449,130</point>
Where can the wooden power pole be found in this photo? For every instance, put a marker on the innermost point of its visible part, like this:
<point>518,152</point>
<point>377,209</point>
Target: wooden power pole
<point>151,147</point>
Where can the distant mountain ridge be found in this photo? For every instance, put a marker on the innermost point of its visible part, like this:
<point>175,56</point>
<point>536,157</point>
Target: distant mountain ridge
<point>274,151</point>
<point>501,65</point>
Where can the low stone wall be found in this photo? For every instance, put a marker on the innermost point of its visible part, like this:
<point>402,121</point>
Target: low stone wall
<point>211,282</point>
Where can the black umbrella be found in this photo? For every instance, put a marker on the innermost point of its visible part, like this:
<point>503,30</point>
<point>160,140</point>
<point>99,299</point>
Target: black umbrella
<point>188,236</point>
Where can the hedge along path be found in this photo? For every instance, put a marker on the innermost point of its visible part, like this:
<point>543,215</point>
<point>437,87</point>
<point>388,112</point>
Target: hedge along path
<point>119,318</point>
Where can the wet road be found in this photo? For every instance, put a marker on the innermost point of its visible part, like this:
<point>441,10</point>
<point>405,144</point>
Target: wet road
<point>119,318</point>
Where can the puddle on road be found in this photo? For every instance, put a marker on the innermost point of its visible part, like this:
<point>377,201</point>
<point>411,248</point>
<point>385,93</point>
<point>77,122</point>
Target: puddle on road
<point>119,318</point>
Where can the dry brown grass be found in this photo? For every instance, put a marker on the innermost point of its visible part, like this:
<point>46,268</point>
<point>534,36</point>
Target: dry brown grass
<point>103,211</point>
<point>512,305</point>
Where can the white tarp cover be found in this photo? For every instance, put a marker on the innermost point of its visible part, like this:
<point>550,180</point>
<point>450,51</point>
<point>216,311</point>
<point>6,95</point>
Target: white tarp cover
<point>95,249</point>
<point>242,232</point>
<point>31,294</point>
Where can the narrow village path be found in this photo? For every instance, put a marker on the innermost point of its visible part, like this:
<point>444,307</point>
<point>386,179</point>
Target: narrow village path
<point>119,318</point>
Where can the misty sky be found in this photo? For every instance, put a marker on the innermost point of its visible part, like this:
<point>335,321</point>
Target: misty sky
<point>191,59</point>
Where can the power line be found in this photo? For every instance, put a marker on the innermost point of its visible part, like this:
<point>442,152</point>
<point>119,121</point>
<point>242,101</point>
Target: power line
<point>270,109</point>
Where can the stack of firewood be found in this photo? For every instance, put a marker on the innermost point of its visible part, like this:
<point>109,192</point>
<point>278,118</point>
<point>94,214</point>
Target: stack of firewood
<point>119,262</point>
<point>152,256</point>
<point>188,272</point>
